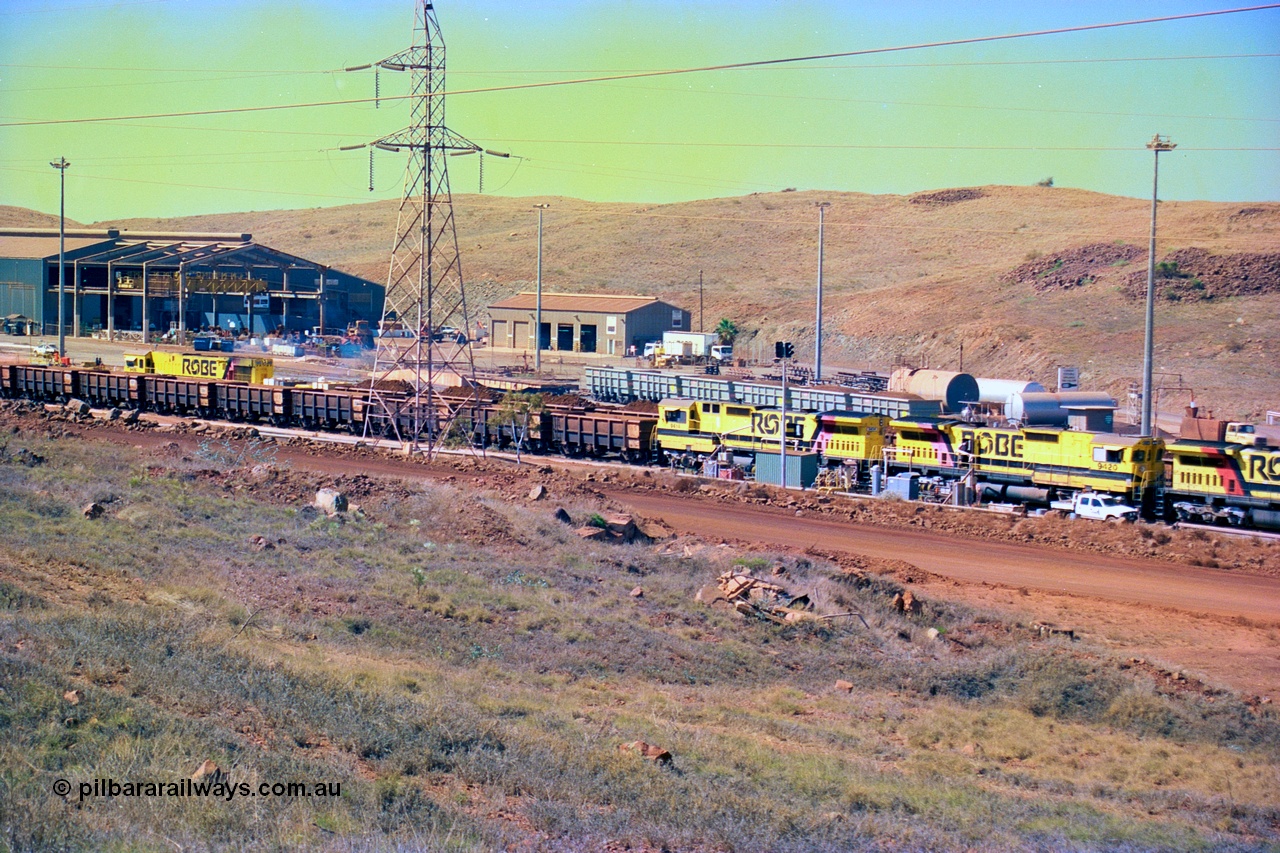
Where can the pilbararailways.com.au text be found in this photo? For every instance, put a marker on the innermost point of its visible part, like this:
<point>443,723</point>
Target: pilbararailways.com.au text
<point>204,788</point>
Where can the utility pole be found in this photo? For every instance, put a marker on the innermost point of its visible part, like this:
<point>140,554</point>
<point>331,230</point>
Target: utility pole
<point>1156,145</point>
<point>537,317</point>
<point>61,165</point>
<point>700,329</point>
<point>817,347</point>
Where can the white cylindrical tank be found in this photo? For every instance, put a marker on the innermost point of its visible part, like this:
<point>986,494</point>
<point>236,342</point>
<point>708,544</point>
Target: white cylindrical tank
<point>1000,390</point>
<point>1046,409</point>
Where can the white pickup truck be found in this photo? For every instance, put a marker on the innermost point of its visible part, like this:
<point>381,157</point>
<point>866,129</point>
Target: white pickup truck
<point>1096,505</point>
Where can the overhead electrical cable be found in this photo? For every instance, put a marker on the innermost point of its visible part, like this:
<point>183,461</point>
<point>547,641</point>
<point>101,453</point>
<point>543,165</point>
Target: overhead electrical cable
<point>760,63</point>
<point>271,72</point>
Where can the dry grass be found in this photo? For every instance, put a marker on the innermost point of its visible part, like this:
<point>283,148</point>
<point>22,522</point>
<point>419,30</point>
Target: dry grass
<point>466,668</point>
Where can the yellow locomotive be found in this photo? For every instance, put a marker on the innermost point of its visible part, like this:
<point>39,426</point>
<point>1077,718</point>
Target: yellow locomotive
<point>691,430</point>
<point>228,368</point>
<point>1043,459</point>
<point>1222,482</point>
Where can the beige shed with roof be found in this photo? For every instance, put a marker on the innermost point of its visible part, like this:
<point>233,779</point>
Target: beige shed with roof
<point>584,322</point>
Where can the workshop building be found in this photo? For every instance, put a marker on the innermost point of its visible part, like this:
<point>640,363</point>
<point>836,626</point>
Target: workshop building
<point>118,283</point>
<point>584,322</point>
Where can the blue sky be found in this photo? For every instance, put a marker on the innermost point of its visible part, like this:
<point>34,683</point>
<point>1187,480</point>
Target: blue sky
<point>1078,107</point>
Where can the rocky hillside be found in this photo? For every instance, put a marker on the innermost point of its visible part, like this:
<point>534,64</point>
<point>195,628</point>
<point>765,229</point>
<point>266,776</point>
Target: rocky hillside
<point>1013,280</point>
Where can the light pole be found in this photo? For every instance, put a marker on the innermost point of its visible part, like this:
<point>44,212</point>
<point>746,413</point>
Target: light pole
<point>699,301</point>
<point>537,317</point>
<point>61,165</point>
<point>1157,144</point>
<point>817,347</point>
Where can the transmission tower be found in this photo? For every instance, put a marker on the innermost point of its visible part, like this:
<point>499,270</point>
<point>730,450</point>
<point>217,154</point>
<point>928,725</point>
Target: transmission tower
<point>425,292</point>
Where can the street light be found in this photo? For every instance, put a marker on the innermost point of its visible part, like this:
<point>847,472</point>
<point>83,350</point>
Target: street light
<point>817,349</point>
<point>61,165</point>
<point>1156,145</point>
<point>537,317</point>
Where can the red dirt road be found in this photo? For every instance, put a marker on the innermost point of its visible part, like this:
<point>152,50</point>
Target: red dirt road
<point>1147,582</point>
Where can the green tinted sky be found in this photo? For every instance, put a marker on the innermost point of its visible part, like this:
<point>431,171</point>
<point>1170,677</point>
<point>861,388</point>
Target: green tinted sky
<point>1076,107</point>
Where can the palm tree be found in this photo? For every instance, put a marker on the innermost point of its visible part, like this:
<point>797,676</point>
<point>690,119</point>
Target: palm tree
<point>727,330</point>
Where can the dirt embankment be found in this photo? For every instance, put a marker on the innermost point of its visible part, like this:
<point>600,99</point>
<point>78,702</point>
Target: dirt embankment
<point>1194,274</point>
<point>1182,275</point>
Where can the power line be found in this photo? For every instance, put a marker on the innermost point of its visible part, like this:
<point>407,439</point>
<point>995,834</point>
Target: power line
<point>507,72</point>
<point>898,65</point>
<point>880,101</point>
<point>857,147</point>
<point>762,63</point>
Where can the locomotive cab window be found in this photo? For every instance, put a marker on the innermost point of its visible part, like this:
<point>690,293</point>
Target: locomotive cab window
<point>676,416</point>
<point>711,408</point>
<point>1107,454</point>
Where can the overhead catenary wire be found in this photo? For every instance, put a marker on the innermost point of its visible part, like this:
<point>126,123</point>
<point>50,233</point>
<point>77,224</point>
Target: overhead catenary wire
<point>761,63</point>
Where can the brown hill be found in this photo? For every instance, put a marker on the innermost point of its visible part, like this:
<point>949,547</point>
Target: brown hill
<point>920,277</point>
<point>21,217</point>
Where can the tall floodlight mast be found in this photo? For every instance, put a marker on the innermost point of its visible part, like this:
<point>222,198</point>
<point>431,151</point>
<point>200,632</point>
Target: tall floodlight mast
<point>425,293</point>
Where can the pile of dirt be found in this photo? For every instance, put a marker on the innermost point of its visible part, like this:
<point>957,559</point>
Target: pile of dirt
<point>943,197</point>
<point>568,401</point>
<point>642,407</point>
<point>393,386</point>
<point>1195,274</point>
<point>481,394</point>
<point>1074,267</point>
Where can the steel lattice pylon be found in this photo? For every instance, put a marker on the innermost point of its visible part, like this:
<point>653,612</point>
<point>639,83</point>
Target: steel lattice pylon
<point>425,291</point>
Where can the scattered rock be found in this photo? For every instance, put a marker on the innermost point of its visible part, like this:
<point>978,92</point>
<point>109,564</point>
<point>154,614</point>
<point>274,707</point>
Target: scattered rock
<point>711,594</point>
<point>638,592</point>
<point>538,492</point>
<point>129,417</point>
<point>72,697</point>
<point>93,510</point>
<point>906,602</point>
<point>22,456</point>
<point>331,501</point>
<point>846,686</point>
<point>209,770</point>
<point>592,534</point>
<point>562,516</point>
<point>653,529</point>
<point>77,407</point>
<point>261,543</point>
<point>1048,629</point>
<point>647,751</point>
<point>933,633</point>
